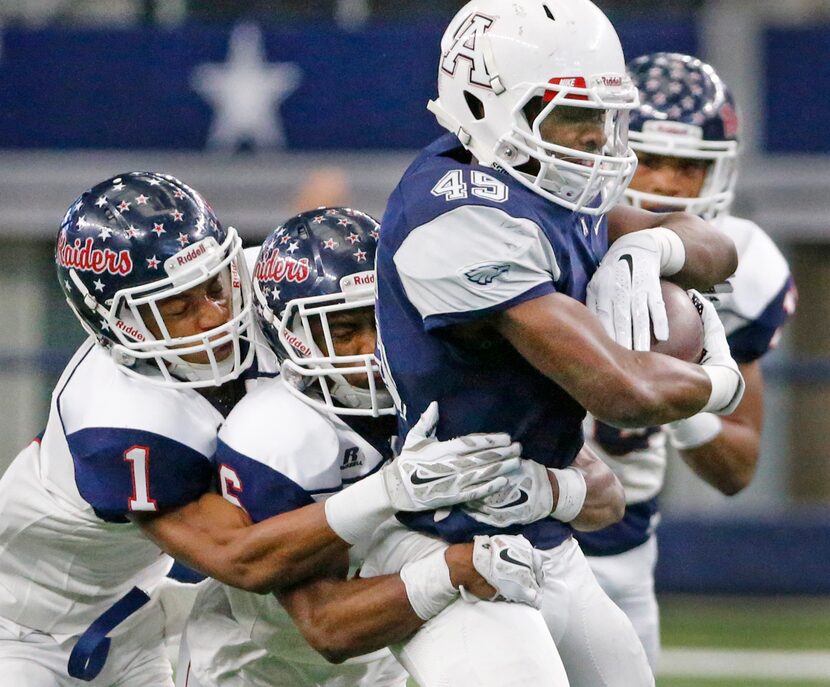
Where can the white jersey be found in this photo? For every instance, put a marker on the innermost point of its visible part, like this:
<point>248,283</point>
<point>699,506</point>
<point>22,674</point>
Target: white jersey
<point>761,299</point>
<point>276,454</point>
<point>113,445</point>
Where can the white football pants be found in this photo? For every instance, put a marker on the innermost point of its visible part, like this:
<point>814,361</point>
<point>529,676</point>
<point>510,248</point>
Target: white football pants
<point>628,578</point>
<point>36,659</point>
<point>578,639</point>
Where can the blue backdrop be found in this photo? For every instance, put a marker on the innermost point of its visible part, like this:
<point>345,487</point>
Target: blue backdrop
<point>133,88</point>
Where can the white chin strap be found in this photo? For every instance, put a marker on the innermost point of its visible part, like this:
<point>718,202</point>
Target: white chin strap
<point>355,397</point>
<point>198,372</point>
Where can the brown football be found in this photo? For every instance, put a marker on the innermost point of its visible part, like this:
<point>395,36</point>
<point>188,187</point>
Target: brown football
<point>685,326</point>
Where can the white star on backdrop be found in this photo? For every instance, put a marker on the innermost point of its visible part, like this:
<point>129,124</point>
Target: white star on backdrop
<point>246,92</point>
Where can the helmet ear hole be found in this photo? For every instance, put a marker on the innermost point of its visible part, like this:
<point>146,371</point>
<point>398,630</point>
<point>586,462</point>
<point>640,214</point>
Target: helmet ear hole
<point>548,13</point>
<point>475,105</point>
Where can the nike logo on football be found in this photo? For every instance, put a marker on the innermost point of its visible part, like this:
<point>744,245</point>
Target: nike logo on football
<point>417,479</point>
<point>630,262</point>
<point>504,554</point>
<point>520,499</point>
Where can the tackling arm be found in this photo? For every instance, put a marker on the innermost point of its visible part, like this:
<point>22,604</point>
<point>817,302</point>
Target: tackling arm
<point>711,256</point>
<point>217,538</point>
<point>728,460</point>
<point>343,618</point>
<point>604,497</point>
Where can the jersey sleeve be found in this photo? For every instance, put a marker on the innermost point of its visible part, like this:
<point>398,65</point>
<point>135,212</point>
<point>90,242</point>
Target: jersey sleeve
<point>472,261</point>
<point>119,471</point>
<point>275,454</point>
<point>753,340</point>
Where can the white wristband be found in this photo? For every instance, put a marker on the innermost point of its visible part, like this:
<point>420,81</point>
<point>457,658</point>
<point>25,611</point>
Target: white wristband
<point>357,511</point>
<point>428,585</point>
<point>694,431</point>
<point>572,492</point>
<point>672,251</point>
<point>726,385</point>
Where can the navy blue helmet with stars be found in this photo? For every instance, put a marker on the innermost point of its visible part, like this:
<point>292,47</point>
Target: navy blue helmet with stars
<point>316,264</point>
<point>686,111</point>
<point>134,240</point>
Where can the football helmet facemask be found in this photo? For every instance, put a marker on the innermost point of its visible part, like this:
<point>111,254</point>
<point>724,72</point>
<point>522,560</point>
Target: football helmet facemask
<point>316,264</point>
<point>686,112</point>
<point>504,69</point>
<point>139,238</point>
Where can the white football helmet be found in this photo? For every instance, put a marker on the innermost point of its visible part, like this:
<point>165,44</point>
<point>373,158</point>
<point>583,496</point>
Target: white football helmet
<point>497,56</point>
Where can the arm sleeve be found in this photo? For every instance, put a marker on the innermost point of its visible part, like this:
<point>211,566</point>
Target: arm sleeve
<point>472,261</point>
<point>119,471</point>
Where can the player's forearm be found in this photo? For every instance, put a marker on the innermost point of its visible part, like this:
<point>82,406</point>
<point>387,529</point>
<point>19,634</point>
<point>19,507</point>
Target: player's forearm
<point>624,388</point>
<point>604,498</point>
<point>728,461</point>
<point>345,618</point>
<point>711,256</point>
<point>216,538</point>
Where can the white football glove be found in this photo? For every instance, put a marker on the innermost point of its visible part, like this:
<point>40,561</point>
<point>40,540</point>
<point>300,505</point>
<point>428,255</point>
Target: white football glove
<point>512,566</point>
<point>625,292</point>
<point>727,382</point>
<point>526,498</point>
<point>432,474</point>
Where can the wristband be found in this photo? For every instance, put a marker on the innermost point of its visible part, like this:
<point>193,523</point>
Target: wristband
<point>672,251</point>
<point>694,431</point>
<point>428,585</point>
<point>727,389</point>
<point>357,511</point>
<point>572,492</point>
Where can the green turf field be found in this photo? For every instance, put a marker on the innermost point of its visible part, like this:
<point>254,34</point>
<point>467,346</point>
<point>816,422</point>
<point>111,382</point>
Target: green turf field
<point>736,623</point>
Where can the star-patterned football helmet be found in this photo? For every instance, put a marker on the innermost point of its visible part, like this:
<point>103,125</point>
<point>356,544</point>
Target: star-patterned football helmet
<point>318,263</point>
<point>504,69</point>
<point>686,111</point>
<point>134,240</point>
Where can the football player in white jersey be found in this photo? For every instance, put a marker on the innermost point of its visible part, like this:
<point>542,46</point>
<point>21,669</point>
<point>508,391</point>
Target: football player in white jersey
<point>685,133</point>
<point>325,423</point>
<point>123,470</point>
<point>486,249</point>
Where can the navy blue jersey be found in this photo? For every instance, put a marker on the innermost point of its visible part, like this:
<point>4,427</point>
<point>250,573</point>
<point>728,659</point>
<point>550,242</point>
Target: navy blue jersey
<point>460,242</point>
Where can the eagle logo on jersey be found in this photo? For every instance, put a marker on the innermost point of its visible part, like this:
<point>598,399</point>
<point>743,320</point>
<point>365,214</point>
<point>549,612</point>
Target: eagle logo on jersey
<point>465,46</point>
<point>484,274</point>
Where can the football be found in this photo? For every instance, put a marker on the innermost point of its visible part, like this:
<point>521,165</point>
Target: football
<point>685,326</point>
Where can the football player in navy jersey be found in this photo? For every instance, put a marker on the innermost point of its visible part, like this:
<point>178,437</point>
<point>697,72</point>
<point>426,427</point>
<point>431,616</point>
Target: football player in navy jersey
<point>685,133</point>
<point>325,423</point>
<point>123,470</point>
<point>487,247</point>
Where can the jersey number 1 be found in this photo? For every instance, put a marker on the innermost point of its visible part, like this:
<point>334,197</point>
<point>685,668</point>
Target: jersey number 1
<point>139,457</point>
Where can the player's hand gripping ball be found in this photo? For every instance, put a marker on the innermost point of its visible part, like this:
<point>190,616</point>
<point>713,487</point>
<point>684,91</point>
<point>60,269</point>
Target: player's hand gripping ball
<point>685,340</point>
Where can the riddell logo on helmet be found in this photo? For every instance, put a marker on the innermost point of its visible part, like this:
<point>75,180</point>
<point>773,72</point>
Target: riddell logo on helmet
<point>192,254</point>
<point>565,82</point>
<point>129,330</point>
<point>85,257</point>
<point>297,343</point>
<point>276,268</point>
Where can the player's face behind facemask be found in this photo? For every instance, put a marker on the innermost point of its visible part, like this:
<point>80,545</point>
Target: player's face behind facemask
<point>685,132</point>
<point>138,244</point>
<point>201,309</point>
<point>666,183</point>
<point>314,284</point>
